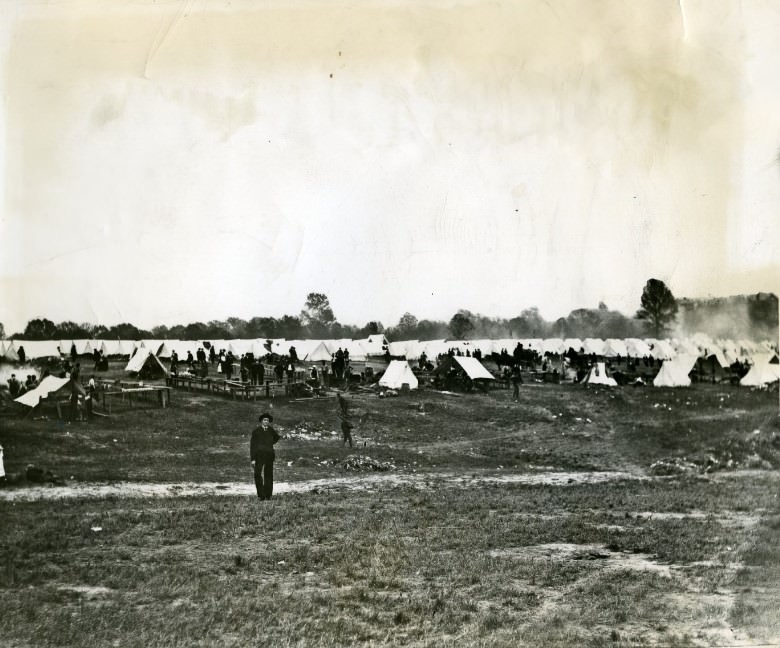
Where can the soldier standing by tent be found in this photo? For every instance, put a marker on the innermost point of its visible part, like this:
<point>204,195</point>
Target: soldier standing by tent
<point>262,455</point>
<point>22,355</point>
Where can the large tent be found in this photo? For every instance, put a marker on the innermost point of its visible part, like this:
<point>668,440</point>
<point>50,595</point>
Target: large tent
<point>675,372</point>
<point>397,373</point>
<point>34,349</point>
<point>597,375</point>
<point>49,386</point>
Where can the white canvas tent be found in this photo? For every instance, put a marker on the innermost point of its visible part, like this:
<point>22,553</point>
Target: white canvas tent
<point>637,348</point>
<point>116,348</point>
<point>614,347</point>
<point>556,346</point>
<point>598,376</point>
<point>39,348</point>
<point>473,368</point>
<point>140,359</point>
<point>397,373</point>
<point>48,386</point>
<point>10,353</point>
<point>373,345</point>
<point>593,346</point>
<point>674,372</point>
<point>761,373</point>
<point>319,354</point>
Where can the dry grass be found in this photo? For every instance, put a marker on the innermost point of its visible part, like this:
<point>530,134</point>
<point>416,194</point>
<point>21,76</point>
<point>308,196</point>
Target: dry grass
<point>664,561</point>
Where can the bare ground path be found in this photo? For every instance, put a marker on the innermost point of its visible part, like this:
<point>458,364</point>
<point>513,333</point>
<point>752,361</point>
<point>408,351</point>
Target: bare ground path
<point>356,482</point>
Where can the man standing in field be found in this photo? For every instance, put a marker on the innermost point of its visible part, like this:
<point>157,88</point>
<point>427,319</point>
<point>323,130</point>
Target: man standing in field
<point>517,380</point>
<point>261,453</point>
<point>346,431</point>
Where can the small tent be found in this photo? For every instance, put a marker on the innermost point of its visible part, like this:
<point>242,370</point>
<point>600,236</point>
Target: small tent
<point>597,375</point>
<point>10,353</point>
<point>319,354</point>
<point>761,373</point>
<point>675,372</point>
<point>146,364</point>
<point>397,373</point>
<point>614,348</point>
<point>473,368</point>
<point>49,386</point>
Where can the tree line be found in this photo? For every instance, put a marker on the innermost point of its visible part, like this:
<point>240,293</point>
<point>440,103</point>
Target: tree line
<point>741,316</point>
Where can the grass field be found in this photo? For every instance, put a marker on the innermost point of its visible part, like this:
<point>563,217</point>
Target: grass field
<point>679,546</point>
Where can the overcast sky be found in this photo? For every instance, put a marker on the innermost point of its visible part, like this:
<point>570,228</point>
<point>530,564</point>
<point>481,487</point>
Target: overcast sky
<point>167,162</point>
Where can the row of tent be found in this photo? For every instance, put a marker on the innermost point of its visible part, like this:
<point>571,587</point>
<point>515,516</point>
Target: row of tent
<point>727,351</point>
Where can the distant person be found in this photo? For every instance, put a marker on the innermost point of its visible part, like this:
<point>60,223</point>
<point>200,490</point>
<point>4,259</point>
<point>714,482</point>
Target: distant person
<point>262,455</point>
<point>13,386</point>
<point>89,399</point>
<point>517,380</point>
<point>22,355</point>
<point>343,405</point>
<point>346,431</point>
<point>73,352</point>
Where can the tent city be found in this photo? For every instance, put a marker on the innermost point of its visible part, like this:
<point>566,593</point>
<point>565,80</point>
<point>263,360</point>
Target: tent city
<point>410,323</point>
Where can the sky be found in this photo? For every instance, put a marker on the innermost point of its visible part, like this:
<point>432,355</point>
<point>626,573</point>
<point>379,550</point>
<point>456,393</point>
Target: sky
<point>170,161</point>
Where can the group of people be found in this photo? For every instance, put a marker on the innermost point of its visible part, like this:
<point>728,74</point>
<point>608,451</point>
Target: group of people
<point>18,388</point>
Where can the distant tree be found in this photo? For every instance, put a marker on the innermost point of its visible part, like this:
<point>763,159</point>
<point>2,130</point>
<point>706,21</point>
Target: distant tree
<point>529,324</point>
<point>160,332</point>
<point>431,330</point>
<point>126,331</point>
<point>237,328</point>
<point>216,330</point>
<point>659,307</point>
<point>371,328</point>
<point>461,325</point>
<point>261,327</point>
<point>290,327</point>
<point>71,330</point>
<point>40,329</point>
<point>602,306</point>
<point>2,331</point>
<point>762,311</point>
<point>177,332</point>
<point>317,315</point>
<point>95,331</point>
<point>408,322</point>
<point>195,331</point>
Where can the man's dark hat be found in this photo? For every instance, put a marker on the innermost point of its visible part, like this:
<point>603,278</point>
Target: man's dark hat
<point>266,415</point>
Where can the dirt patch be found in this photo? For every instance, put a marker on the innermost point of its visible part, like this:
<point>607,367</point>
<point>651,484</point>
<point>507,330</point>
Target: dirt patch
<point>363,482</point>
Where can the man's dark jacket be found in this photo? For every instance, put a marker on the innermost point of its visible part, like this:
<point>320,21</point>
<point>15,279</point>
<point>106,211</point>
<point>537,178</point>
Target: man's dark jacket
<point>262,442</point>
